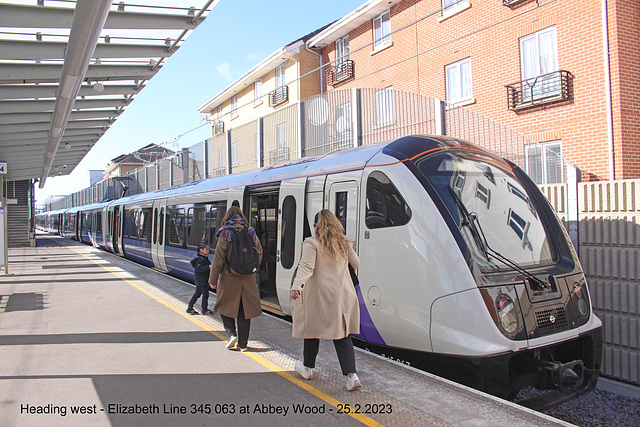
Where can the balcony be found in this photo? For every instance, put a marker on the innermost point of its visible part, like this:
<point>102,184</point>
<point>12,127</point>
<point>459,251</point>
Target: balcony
<point>279,96</point>
<point>343,70</point>
<point>510,3</point>
<point>279,155</point>
<point>546,89</point>
<point>218,127</point>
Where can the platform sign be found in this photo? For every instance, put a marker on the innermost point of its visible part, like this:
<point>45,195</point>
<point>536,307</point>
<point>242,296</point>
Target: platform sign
<point>3,166</point>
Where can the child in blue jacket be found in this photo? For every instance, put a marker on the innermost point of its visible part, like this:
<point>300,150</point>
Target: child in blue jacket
<point>202,267</point>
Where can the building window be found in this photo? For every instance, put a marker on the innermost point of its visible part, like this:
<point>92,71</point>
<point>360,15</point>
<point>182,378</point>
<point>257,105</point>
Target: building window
<point>256,141</point>
<point>220,158</point>
<point>539,57</point>
<point>257,92</point>
<point>544,162</point>
<point>450,7</point>
<point>234,106</point>
<point>384,106</point>
<point>235,157</point>
<point>281,136</point>
<point>459,86</point>
<point>342,51</point>
<point>280,81</point>
<point>219,112</point>
<point>484,194</point>
<point>382,30</point>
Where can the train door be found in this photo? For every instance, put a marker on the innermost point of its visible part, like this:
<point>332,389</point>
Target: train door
<point>157,236</point>
<point>236,195</point>
<point>291,211</point>
<point>116,232</point>
<point>342,200</point>
<point>261,209</point>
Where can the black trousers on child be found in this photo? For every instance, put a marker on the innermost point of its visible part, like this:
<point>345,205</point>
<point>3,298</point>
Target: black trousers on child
<point>243,327</point>
<point>344,349</point>
<point>205,298</point>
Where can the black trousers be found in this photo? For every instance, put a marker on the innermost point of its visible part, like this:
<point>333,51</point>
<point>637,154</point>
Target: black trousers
<point>344,349</point>
<point>243,327</point>
<point>205,297</point>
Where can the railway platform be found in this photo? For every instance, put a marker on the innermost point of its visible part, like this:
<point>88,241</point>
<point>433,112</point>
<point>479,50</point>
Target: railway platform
<point>89,338</point>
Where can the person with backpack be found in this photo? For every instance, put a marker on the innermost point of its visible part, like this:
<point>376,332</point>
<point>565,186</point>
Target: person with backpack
<point>201,269</point>
<point>233,273</point>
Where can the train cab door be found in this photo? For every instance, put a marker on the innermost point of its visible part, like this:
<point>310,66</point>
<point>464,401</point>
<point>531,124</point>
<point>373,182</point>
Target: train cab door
<point>291,208</point>
<point>157,236</point>
<point>116,233</point>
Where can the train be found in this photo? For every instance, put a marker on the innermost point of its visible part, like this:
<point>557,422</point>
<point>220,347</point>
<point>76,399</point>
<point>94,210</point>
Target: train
<point>463,260</point>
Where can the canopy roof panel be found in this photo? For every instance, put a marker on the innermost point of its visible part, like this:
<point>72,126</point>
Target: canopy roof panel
<point>68,69</point>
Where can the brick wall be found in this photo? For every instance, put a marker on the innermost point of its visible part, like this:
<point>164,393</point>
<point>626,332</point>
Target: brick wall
<point>488,33</point>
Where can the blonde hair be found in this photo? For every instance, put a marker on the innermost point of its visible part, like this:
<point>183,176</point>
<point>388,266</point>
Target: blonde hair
<point>330,233</point>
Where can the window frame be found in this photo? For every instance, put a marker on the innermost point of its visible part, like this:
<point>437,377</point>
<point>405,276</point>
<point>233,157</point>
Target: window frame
<point>235,154</point>
<point>380,24</point>
<point>384,110</point>
<point>281,76</point>
<point>459,80</point>
<point>234,106</point>
<point>257,92</point>
<point>553,87</point>
<point>545,173</point>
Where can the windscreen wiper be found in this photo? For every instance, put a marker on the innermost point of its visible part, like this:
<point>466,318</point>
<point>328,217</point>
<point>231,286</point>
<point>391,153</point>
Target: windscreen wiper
<point>470,220</point>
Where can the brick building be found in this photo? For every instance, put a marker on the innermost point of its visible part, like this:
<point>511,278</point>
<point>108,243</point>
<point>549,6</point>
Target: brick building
<point>537,66</point>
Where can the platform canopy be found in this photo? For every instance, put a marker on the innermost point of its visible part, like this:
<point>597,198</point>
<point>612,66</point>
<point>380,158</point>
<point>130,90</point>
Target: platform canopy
<point>68,69</point>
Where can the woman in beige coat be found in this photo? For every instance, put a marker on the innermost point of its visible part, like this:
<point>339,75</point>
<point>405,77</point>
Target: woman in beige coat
<point>324,302</point>
<point>237,296</point>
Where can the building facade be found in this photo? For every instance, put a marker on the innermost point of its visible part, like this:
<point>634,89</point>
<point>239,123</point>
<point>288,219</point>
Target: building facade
<point>269,92</point>
<point>537,66</point>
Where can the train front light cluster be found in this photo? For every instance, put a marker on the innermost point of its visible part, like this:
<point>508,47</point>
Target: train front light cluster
<point>507,314</point>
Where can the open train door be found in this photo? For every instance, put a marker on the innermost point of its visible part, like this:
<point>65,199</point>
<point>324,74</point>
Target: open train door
<point>158,216</point>
<point>290,236</point>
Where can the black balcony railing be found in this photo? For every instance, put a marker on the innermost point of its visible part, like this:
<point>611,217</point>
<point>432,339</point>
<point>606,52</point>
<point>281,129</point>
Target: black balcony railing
<point>546,89</point>
<point>279,96</point>
<point>512,2</point>
<point>343,70</point>
<point>218,127</point>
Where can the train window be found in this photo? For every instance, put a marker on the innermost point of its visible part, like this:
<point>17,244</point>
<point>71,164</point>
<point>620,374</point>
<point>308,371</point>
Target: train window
<point>288,231</point>
<point>129,227</point>
<point>196,222</point>
<point>145,226</point>
<point>160,227</point>
<point>341,208</point>
<point>216,213</point>
<point>99,223</point>
<point>155,226</point>
<point>175,229</point>
<point>385,205</point>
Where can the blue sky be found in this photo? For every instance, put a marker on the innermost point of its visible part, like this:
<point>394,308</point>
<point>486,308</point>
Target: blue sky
<point>236,35</point>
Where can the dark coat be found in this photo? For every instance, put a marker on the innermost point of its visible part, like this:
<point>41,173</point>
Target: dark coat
<point>231,288</point>
<point>200,266</point>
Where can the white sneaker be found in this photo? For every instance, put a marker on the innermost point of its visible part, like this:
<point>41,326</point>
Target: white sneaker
<point>353,382</point>
<point>306,373</point>
<point>231,342</point>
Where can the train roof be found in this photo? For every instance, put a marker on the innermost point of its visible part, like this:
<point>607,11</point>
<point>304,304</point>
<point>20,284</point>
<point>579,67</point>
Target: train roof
<point>350,159</point>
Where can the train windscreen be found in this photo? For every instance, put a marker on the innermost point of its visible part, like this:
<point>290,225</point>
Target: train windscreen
<point>490,207</point>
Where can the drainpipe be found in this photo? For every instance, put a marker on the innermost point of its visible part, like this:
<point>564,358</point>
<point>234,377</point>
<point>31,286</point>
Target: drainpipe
<point>607,78</point>
<point>321,67</point>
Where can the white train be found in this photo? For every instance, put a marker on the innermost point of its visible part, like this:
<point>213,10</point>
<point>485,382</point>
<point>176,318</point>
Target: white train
<point>462,258</point>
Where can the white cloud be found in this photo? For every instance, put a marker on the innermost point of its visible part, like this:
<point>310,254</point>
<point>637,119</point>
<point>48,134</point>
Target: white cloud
<point>224,70</point>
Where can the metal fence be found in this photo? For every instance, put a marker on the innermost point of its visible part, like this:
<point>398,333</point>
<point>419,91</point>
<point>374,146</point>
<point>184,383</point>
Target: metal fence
<point>324,123</point>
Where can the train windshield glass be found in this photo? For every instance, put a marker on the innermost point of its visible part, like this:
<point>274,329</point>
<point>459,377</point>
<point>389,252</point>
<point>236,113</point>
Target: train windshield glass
<point>491,208</point>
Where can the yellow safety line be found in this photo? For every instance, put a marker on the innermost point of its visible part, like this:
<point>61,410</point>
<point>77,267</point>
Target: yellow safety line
<point>321,395</point>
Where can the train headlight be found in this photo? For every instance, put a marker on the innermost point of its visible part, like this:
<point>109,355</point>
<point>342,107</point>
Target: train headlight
<point>507,313</point>
<point>581,299</point>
